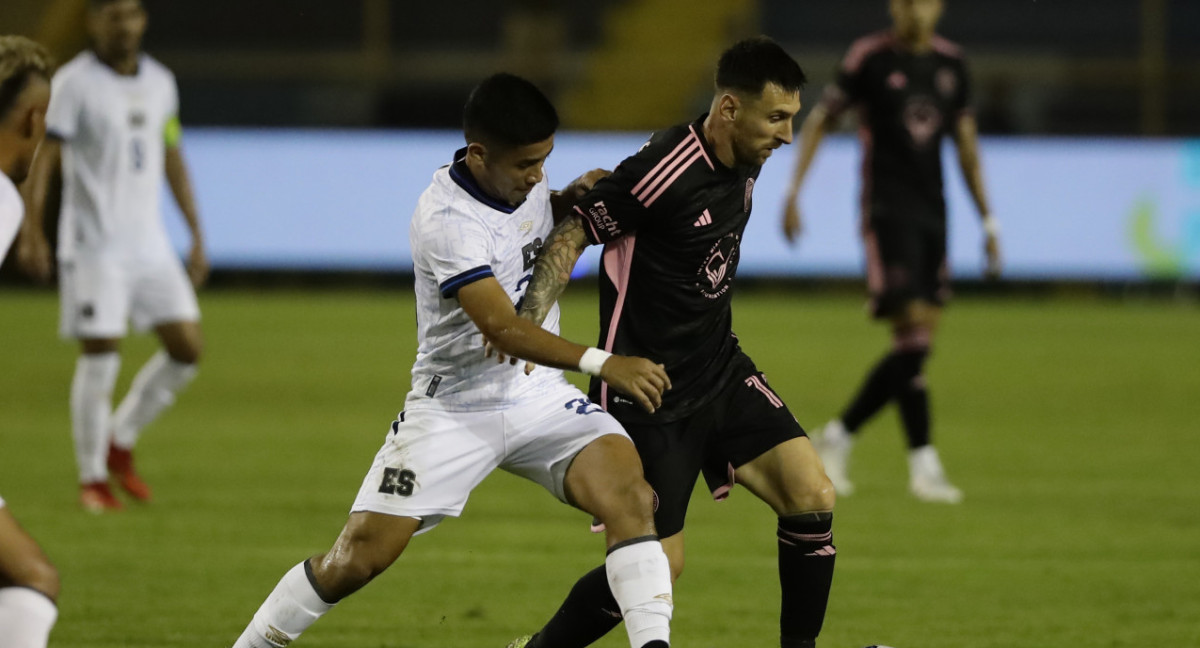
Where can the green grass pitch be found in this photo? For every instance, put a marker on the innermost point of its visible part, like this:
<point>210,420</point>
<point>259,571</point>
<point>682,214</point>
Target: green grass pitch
<point>1071,425</point>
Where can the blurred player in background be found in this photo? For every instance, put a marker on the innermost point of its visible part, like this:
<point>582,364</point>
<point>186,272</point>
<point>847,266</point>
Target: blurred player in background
<point>114,126</point>
<point>476,232</point>
<point>28,582</point>
<point>671,220</point>
<point>911,88</point>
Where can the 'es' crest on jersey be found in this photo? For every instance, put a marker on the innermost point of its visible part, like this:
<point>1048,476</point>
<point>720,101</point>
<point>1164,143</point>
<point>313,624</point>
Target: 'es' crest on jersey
<point>530,252</point>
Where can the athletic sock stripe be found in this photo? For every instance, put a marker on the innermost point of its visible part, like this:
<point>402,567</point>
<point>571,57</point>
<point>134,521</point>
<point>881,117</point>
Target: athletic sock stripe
<point>784,534</point>
<point>632,541</point>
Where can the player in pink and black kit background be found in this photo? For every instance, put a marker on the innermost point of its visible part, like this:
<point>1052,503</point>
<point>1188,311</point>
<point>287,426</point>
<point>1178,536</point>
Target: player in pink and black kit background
<point>671,219</point>
<point>910,88</point>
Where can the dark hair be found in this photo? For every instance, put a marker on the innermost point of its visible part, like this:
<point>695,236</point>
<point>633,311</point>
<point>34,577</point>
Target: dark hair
<point>508,111</point>
<point>749,65</point>
<point>20,59</point>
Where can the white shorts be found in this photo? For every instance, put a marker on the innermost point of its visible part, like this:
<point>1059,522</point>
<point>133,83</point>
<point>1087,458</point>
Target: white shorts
<point>101,293</point>
<point>431,460</point>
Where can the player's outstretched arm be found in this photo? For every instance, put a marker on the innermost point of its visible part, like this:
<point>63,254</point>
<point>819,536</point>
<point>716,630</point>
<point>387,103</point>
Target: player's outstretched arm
<point>489,307</point>
<point>812,132</point>
<point>181,187</point>
<point>33,250</point>
<point>566,242</point>
<point>966,139</point>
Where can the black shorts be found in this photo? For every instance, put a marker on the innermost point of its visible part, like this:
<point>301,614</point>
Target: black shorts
<point>742,420</point>
<point>906,262</point>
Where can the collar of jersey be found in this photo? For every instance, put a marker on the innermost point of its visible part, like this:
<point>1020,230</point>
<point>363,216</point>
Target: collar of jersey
<point>463,178</point>
<point>718,165</point>
<point>117,75</point>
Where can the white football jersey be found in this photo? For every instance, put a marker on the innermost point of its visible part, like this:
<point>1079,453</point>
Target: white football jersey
<point>12,210</point>
<point>113,129</point>
<point>460,235</point>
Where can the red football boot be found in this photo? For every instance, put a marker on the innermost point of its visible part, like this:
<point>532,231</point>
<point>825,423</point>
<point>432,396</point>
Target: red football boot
<point>96,497</point>
<point>120,465</point>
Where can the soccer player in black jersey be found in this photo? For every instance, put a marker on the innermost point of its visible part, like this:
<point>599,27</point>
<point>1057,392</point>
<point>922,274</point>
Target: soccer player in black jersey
<point>910,87</point>
<point>671,219</point>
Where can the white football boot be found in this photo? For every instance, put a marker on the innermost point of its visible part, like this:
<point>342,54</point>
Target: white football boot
<point>833,446</point>
<point>927,480</point>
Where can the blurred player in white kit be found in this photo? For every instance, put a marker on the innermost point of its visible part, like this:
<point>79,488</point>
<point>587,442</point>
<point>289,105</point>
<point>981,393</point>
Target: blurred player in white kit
<point>113,126</point>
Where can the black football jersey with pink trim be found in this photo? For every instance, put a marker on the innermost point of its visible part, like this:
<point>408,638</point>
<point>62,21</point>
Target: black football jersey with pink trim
<point>907,102</point>
<point>671,219</point>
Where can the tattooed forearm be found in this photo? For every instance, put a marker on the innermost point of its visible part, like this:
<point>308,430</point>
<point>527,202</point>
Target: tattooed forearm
<point>553,270</point>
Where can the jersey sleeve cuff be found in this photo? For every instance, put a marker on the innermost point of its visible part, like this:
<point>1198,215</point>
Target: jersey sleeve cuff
<point>451,286</point>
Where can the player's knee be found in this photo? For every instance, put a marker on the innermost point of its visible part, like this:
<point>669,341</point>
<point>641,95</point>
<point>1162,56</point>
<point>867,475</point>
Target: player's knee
<point>638,498</point>
<point>188,351</point>
<point>631,500</point>
<point>816,494</point>
<point>823,496</point>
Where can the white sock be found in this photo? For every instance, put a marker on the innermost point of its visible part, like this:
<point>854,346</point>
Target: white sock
<point>26,617</point>
<point>640,578</point>
<point>924,462</point>
<point>289,610</point>
<point>91,409</point>
<point>153,390</point>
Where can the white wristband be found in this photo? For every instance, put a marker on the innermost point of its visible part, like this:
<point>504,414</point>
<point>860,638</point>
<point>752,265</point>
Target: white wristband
<point>593,359</point>
<point>991,227</point>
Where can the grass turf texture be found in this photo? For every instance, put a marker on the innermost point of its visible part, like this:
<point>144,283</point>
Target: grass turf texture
<point>1070,426</point>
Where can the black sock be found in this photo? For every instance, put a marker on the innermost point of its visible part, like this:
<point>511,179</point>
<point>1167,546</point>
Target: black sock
<point>914,413</point>
<point>875,392</point>
<point>806,557</point>
<point>589,613</point>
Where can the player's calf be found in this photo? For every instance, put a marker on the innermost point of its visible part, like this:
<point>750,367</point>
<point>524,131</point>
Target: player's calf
<point>367,545</point>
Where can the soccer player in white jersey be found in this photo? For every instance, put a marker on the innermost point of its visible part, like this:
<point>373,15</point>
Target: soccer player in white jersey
<point>113,123</point>
<point>475,235</point>
<point>28,582</point>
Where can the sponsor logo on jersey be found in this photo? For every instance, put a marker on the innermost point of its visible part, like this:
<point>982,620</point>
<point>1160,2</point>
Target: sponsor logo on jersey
<point>705,219</point>
<point>526,226</point>
<point>600,218</point>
